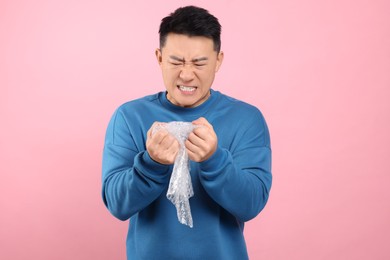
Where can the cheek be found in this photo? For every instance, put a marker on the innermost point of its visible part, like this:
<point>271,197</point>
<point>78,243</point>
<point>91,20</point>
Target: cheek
<point>207,76</point>
<point>169,75</point>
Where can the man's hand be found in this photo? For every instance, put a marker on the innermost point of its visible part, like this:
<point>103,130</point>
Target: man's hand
<point>202,142</point>
<point>162,146</point>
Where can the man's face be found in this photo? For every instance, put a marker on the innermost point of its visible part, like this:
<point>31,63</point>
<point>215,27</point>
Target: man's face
<point>188,66</point>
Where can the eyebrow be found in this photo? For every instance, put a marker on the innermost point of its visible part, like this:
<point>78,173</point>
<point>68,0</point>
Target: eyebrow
<point>182,59</point>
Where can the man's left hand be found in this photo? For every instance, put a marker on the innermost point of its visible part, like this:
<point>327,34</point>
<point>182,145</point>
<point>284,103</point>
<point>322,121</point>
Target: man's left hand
<point>202,142</point>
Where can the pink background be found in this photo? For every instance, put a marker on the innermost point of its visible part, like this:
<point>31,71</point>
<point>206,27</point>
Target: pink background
<point>319,71</point>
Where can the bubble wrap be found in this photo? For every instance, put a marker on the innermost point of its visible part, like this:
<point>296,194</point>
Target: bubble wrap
<point>180,185</point>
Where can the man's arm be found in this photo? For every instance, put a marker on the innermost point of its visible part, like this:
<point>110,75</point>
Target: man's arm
<point>131,178</point>
<point>239,180</point>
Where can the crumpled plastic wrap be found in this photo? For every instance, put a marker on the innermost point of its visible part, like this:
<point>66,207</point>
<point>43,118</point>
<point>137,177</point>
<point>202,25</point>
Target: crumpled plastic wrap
<point>180,186</point>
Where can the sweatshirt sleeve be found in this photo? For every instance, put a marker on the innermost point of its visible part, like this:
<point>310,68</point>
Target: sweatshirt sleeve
<point>239,178</point>
<point>131,179</point>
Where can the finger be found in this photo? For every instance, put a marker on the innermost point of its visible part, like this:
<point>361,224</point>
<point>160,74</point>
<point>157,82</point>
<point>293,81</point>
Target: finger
<point>199,146</point>
<point>196,155</point>
<point>191,147</point>
<point>203,132</point>
<point>192,151</point>
<point>202,121</point>
<point>169,150</point>
<point>159,136</point>
<point>192,156</point>
<point>203,138</point>
<point>195,139</point>
<point>151,129</point>
<point>173,150</point>
<point>149,133</point>
<point>157,126</point>
<point>168,141</point>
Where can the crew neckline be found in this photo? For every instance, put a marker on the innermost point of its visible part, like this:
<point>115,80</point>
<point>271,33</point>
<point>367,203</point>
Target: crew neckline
<point>201,109</point>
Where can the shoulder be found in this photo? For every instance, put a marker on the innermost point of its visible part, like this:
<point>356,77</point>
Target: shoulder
<point>248,119</point>
<point>238,108</point>
<point>132,118</point>
<point>137,110</point>
<point>139,103</point>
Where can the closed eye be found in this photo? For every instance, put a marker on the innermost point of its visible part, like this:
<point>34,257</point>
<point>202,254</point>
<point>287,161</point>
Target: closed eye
<point>176,63</point>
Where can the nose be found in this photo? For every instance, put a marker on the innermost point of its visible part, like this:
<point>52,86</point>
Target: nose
<point>187,73</point>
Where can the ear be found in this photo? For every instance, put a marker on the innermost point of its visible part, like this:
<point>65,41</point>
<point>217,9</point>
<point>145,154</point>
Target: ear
<point>219,61</point>
<point>158,56</point>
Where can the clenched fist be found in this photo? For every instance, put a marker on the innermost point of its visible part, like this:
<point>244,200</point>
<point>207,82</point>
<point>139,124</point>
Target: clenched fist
<point>162,146</point>
<point>202,142</point>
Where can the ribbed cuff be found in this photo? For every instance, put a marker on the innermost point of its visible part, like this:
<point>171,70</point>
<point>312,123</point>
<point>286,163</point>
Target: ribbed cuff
<point>215,162</point>
<point>153,169</point>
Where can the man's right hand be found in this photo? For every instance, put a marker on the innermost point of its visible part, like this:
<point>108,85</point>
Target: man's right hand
<point>162,146</point>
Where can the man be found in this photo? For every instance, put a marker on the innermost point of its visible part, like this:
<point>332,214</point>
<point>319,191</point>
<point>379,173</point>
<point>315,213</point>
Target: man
<point>230,155</point>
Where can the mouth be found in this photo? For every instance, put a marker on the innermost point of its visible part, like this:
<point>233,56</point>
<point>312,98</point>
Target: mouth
<point>186,89</point>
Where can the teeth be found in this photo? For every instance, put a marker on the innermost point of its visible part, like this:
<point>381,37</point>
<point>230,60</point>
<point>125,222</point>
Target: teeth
<point>185,88</point>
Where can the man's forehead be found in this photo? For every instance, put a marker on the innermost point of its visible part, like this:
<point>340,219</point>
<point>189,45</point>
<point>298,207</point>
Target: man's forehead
<point>182,41</point>
<point>188,52</point>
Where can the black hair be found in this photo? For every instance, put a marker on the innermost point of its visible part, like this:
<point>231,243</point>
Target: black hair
<point>191,21</point>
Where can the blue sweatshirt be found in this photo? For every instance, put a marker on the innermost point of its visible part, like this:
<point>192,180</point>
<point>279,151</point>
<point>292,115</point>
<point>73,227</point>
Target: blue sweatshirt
<point>230,187</point>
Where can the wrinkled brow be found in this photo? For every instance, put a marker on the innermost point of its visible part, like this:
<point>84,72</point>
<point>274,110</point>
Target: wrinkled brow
<point>183,60</point>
